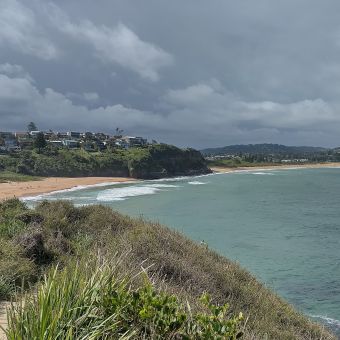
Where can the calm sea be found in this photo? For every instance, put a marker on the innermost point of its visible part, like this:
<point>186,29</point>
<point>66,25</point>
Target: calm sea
<point>283,225</point>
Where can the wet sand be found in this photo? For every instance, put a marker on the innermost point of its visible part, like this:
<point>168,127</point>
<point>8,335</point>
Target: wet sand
<point>46,185</point>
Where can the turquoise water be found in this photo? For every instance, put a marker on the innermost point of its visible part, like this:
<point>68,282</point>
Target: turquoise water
<point>283,226</point>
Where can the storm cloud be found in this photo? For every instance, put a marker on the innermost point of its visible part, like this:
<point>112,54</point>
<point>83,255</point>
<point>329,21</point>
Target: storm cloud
<point>192,73</point>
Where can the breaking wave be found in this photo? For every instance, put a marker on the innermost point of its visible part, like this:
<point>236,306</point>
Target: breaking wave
<point>196,183</point>
<point>121,194</point>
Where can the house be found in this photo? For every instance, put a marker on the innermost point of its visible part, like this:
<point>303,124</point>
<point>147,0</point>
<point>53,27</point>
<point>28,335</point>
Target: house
<point>56,143</point>
<point>7,135</point>
<point>62,135</point>
<point>88,135</point>
<point>73,134</point>
<point>101,146</point>
<point>13,148</point>
<point>48,135</point>
<point>71,143</point>
<point>101,136</point>
<point>88,146</point>
<point>135,141</point>
<point>11,145</point>
<point>122,143</point>
<point>25,143</point>
<point>3,150</point>
<point>21,135</point>
<point>34,133</point>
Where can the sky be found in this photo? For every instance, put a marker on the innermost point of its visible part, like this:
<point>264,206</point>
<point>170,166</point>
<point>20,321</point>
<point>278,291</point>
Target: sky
<point>188,72</point>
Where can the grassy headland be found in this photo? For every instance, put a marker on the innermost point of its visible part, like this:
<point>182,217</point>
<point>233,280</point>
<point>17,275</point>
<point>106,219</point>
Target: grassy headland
<point>151,161</point>
<point>108,296</point>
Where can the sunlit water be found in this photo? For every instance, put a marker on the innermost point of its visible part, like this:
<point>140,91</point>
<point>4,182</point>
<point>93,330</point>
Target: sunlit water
<point>283,225</point>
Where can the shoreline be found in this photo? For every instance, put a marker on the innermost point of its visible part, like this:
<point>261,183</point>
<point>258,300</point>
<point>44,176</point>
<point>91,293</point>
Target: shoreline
<point>51,184</point>
<point>225,169</point>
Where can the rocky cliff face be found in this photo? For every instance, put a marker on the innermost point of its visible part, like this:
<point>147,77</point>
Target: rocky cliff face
<point>167,161</point>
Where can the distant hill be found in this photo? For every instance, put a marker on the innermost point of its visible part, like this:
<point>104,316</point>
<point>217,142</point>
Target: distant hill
<point>265,149</point>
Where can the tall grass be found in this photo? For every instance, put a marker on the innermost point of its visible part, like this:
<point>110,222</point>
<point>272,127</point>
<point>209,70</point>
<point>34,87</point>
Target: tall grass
<point>92,301</point>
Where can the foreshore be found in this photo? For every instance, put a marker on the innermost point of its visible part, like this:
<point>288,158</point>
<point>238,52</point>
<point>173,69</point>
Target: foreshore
<point>222,169</point>
<point>47,185</point>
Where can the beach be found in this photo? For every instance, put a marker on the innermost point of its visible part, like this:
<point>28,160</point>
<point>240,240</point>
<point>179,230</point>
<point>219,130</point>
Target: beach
<point>223,169</point>
<point>46,185</point>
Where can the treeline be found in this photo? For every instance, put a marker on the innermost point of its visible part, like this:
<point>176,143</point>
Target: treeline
<point>269,153</point>
<point>264,149</point>
<point>152,161</point>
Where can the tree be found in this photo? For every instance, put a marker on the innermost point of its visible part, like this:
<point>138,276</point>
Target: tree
<point>40,141</point>
<point>31,127</point>
<point>119,132</point>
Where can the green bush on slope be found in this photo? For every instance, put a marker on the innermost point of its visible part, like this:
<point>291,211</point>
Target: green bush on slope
<point>93,302</point>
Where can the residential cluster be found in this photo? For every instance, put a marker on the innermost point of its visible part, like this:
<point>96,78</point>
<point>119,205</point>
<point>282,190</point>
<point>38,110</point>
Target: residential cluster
<point>89,141</point>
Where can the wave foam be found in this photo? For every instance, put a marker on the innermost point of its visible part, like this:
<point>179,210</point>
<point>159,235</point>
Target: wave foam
<point>121,194</point>
<point>262,173</point>
<point>75,188</point>
<point>329,321</point>
<point>196,183</point>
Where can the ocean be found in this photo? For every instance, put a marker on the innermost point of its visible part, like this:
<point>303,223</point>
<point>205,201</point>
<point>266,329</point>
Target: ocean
<point>281,225</point>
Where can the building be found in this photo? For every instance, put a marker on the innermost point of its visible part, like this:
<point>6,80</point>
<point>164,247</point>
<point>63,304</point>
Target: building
<point>122,143</point>
<point>101,136</point>
<point>88,146</point>
<point>71,143</point>
<point>7,135</point>
<point>135,141</point>
<point>3,150</point>
<point>56,143</point>
<point>34,133</point>
<point>49,134</point>
<point>74,134</point>
<point>62,135</point>
<point>88,135</point>
<point>25,143</point>
<point>20,135</point>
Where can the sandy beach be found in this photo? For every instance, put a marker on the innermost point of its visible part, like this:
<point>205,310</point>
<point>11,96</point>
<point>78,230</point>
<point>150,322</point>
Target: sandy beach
<point>219,169</point>
<point>46,185</point>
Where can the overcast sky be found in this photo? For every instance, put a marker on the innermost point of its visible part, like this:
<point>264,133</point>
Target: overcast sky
<point>189,72</point>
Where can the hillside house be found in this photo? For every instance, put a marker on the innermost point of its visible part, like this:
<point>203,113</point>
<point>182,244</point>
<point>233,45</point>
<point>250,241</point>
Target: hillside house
<point>56,143</point>
<point>71,143</point>
<point>34,133</point>
<point>135,141</point>
<point>74,134</point>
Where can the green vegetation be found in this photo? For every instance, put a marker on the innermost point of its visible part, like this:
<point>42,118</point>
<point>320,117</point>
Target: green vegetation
<point>8,176</point>
<point>236,163</point>
<point>40,142</point>
<point>134,279</point>
<point>93,301</point>
<point>265,149</point>
<point>274,153</point>
<point>152,161</point>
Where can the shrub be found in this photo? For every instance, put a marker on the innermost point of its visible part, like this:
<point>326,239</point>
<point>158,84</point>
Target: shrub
<point>15,269</point>
<point>94,302</point>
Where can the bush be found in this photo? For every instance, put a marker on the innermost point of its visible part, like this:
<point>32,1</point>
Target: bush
<point>93,302</point>
<point>15,269</point>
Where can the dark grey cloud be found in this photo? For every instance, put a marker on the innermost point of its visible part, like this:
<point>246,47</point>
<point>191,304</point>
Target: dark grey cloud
<point>187,72</point>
